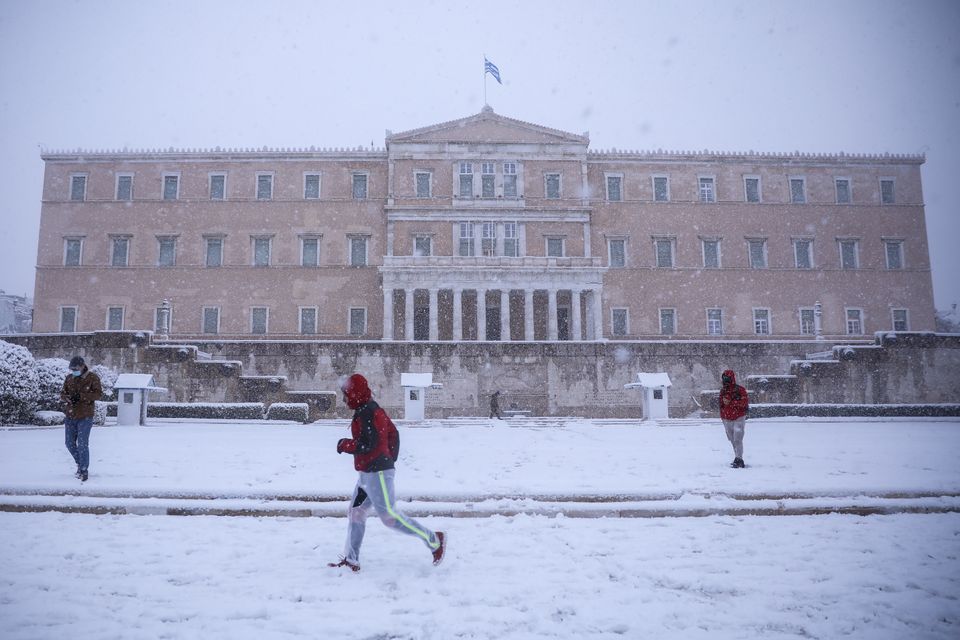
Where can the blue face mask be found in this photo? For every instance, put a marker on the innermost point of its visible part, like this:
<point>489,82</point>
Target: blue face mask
<point>75,373</point>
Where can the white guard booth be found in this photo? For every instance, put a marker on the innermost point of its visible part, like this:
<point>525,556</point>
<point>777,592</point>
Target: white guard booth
<point>415,387</point>
<point>132,391</point>
<point>654,401</point>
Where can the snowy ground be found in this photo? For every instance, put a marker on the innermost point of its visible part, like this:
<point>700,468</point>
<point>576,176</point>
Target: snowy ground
<point>718,577</point>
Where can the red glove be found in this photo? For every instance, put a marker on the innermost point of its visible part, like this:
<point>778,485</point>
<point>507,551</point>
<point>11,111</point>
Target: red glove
<point>341,444</point>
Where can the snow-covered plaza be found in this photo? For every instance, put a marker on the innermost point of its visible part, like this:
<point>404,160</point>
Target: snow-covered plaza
<point>542,544</point>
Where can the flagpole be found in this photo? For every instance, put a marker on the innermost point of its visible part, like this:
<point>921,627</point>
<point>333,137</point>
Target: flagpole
<point>484,79</point>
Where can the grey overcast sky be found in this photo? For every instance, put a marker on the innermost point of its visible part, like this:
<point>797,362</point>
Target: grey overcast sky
<point>810,75</point>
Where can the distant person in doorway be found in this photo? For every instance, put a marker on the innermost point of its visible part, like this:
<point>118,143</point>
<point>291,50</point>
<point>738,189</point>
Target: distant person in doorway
<point>495,405</point>
<point>375,446</point>
<point>81,390</point>
<point>733,411</point>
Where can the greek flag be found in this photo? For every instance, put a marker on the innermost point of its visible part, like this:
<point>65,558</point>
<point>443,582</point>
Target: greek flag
<point>489,67</point>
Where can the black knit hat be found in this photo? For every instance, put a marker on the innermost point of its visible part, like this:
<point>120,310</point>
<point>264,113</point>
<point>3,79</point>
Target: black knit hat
<point>77,361</point>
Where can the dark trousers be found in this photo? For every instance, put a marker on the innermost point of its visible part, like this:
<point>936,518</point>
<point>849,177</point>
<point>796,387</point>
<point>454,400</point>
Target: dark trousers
<point>77,433</point>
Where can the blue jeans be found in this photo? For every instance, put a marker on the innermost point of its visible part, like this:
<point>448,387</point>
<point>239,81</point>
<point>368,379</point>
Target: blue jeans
<point>78,440</point>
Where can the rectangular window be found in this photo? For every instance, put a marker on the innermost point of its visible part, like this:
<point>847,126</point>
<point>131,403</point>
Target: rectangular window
<point>849,258</point>
<point>707,192</point>
<point>664,253</point>
<point>668,322</point>
<point>854,322</point>
<point>487,180</point>
<point>171,187</point>
<point>511,242</point>
<point>422,246</point>
<point>309,251</point>
<point>466,180</point>
<point>358,251</point>
<point>359,186</point>
<point>715,322</point>
<point>465,247</point>
<point>114,318</point>
<point>894,252</point>
<point>803,253</point>
<point>758,254</point>
<point>751,188</point>
<point>358,321</point>
<point>211,320</point>
<point>842,186</point>
<point>554,247</point>
<point>488,239</point>
<point>311,186</point>
<point>264,186</point>
<point>711,254</point>
<point>308,320</point>
<point>124,187</point>
<point>618,253</point>
<point>807,327</point>
<point>218,186</point>
<point>661,189</point>
<point>167,251</point>
<point>120,250</point>
<point>619,321</point>
<point>509,180</point>
<point>261,252</point>
<point>886,192</point>
<point>552,187</point>
<point>901,320</point>
<point>68,319</point>
<point>258,320</point>
<point>424,184</point>
<point>214,254</point>
<point>614,188</point>
<point>798,190</point>
<point>761,322</point>
<point>78,188</point>
<point>72,251</point>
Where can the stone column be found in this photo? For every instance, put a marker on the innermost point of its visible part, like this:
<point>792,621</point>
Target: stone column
<point>458,314</point>
<point>387,314</point>
<point>597,315</point>
<point>434,324</point>
<point>575,312</point>
<point>528,314</point>
<point>505,315</point>
<point>481,314</point>
<point>552,310</point>
<point>408,316</point>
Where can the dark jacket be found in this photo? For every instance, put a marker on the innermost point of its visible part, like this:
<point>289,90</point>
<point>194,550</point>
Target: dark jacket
<point>375,441</point>
<point>79,393</point>
<point>733,398</point>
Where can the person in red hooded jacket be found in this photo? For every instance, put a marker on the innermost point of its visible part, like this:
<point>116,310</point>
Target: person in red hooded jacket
<point>375,446</point>
<point>733,412</point>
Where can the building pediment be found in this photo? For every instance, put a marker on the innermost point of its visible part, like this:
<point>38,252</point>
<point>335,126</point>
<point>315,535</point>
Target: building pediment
<point>487,127</point>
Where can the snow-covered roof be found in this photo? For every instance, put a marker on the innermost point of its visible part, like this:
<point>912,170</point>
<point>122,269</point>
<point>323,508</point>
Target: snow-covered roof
<point>422,380</point>
<point>136,381</point>
<point>650,380</point>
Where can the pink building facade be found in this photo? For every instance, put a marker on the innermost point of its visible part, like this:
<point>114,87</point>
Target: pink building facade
<point>483,228</point>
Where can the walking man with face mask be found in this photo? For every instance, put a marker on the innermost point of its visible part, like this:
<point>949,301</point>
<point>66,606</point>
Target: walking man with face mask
<point>80,391</point>
<point>733,411</point>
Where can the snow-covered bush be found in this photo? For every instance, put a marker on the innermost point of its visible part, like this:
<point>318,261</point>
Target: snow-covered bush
<point>49,418</point>
<point>298,411</point>
<point>18,384</point>
<point>51,372</point>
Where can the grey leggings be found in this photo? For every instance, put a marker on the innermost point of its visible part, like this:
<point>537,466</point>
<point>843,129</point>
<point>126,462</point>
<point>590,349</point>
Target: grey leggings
<point>374,490</point>
<point>734,429</point>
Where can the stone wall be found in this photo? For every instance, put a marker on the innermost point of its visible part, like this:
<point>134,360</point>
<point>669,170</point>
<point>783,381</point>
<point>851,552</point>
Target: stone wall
<point>546,378</point>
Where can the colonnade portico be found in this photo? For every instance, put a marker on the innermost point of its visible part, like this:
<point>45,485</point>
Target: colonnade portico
<point>491,303</point>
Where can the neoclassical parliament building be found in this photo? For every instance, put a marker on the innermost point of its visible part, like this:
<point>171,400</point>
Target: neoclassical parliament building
<point>483,228</point>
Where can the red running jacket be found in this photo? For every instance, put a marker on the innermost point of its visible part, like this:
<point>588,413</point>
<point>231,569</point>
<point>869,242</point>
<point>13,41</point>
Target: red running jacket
<point>733,398</point>
<point>375,441</point>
